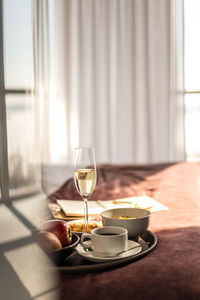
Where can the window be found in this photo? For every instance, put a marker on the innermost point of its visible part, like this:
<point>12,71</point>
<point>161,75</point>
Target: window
<point>19,96</point>
<point>192,78</point>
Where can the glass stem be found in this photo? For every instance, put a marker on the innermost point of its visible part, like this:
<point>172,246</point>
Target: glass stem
<point>86,213</point>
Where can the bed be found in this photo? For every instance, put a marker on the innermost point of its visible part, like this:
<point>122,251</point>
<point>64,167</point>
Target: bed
<point>172,269</point>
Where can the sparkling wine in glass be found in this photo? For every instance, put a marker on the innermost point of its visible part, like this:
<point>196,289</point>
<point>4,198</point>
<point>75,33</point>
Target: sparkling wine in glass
<point>85,176</point>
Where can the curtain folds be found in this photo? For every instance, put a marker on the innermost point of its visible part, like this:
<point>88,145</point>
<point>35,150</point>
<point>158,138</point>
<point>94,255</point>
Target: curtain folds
<point>108,74</point>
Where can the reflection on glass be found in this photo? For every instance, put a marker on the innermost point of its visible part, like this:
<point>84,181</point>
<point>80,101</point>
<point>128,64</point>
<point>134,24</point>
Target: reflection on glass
<point>22,148</point>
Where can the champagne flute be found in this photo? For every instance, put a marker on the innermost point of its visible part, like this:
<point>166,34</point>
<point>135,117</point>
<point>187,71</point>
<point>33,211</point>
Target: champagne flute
<point>85,176</point>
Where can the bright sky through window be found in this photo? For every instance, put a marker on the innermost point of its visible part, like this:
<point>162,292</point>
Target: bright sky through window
<point>18,50</point>
<point>192,45</point>
<point>192,78</point>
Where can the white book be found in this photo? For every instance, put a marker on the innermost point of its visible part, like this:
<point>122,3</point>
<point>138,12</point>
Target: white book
<point>76,207</point>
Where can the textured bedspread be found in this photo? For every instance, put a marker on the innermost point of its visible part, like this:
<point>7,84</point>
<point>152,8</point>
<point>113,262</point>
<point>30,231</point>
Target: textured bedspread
<point>172,270</point>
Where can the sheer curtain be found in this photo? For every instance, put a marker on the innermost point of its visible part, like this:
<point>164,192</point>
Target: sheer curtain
<point>109,75</point>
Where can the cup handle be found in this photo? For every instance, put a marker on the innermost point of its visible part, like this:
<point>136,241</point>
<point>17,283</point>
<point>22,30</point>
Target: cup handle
<point>89,243</point>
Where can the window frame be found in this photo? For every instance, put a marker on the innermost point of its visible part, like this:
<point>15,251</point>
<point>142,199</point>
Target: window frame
<point>4,175</point>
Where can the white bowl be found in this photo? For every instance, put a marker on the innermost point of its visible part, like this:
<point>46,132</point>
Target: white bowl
<point>135,227</point>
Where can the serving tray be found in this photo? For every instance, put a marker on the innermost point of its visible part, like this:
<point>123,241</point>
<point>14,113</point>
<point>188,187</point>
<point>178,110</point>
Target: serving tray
<point>77,264</point>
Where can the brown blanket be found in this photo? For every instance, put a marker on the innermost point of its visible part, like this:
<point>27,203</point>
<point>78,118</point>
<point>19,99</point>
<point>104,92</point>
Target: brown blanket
<point>172,270</point>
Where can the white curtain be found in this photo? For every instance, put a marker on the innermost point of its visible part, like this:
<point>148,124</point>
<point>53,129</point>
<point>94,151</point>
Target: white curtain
<point>109,75</point>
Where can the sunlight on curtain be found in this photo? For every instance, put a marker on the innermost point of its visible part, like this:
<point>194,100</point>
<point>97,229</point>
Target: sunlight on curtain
<point>108,73</point>
<point>51,105</point>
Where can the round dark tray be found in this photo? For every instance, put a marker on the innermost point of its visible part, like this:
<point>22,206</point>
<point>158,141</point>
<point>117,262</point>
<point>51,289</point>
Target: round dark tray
<point>76,264</point>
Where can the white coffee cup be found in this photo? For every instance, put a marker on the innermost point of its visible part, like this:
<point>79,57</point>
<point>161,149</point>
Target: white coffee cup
<point>106,241</point>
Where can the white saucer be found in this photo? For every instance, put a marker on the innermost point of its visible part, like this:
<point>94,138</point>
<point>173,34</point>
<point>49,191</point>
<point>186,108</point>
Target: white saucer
<point>91,256</point>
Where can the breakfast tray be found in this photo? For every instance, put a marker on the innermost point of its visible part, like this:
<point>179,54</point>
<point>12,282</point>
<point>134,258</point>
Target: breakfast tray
<point>76,264</point>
